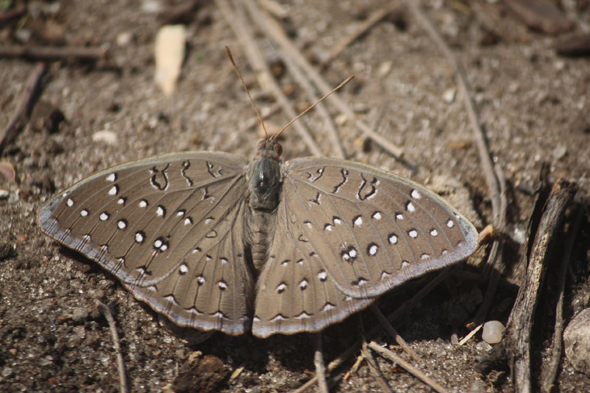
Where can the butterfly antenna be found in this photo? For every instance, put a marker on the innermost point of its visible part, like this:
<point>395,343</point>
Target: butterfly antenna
<point>245,88</point>
<point>311,107</point>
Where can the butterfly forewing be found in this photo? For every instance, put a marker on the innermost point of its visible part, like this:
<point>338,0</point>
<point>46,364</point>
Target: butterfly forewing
<point>371,230</point>
<point>166,226</point>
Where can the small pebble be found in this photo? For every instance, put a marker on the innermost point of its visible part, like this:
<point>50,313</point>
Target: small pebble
<point>492,332</point>
<point>79,314</point>
<point>384,68</point>
<point>106,136</point>
<point>576,338</point>
<point>124,38</point>
<point>559,152</point>
<point>449,96</point>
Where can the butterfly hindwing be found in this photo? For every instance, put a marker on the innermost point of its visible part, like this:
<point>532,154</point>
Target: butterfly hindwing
<point>294,293</point>
<point>171,229</point>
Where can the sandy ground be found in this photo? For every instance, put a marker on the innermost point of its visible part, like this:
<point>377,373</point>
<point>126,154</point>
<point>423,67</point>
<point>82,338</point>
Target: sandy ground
<point>532,103</point>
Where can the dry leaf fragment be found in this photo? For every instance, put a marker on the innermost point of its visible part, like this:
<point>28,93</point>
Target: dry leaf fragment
<point>169,54</point>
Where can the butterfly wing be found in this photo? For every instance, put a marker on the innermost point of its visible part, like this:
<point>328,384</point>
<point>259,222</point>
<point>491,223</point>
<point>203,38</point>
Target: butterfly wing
<point>294,293</point>
<point>171,229</point>
<point>354,232</point>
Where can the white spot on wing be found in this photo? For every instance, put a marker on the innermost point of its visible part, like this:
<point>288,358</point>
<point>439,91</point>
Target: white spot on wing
<point>143,203</point>
<point>410,207</point>
<point>433,232</point>
<point>376,215</point>
<point>183,269</point>
<point>392,239</point>
<point>114,190</point>
<point>278,317</point>
<point>84,213</point>
<point>70,202</point>
<point>373,249</point>
<point>139,237</point>
<point>104,216</point>
<point>357,221</point>
<point>415,194</point>
<point>171,299</point>
<point>413,233</point>
<point>111,177</point>
<point>450,223</point>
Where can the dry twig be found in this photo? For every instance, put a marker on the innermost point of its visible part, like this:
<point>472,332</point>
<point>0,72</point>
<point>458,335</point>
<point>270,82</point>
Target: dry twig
<point>274,31</point>
<point>374,367</point>
<point>520,323</point>
<point>318,360</point>
<point>557,345</point>
<point>393,333</point>
<point>386,353</point>
<point>17,12</point>
<point>46,53</point>
<point>492,181</point>
<point>113,327</point>
<point>24,106</point>
<point>255,58</point>
<point>361,29</point>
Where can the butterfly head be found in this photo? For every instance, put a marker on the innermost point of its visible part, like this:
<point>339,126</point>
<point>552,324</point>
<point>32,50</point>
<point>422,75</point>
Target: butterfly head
<point>269,147</point>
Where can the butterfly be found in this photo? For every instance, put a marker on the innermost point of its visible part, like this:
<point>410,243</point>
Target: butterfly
<point>215,242</point>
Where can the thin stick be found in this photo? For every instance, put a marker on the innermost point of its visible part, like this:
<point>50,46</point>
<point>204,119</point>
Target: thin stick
<point>311,107</point>
<point>393,333</point>
<point>416,298</point>
<point>321,108</point>
<point>494,188</point>
<point>386,353</point>
<point>276,33</point>
<point>557,346</point>
<point>318,360</point>
<point>246,88</point>
<point>484,155</point>
<point>13,13</point>
<point>374,367</point>
<point>256,59</point>
<point>497,267</point>
<point>113,328</point>
<point>53,52</point>
<point>253,121</point>
<point>28,96</point>
<point>361,29</point>
<point>468,337</point>
<point>332,365</point>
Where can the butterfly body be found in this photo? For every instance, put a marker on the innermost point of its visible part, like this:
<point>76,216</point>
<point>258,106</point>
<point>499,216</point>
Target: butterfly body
<point>216,243</point>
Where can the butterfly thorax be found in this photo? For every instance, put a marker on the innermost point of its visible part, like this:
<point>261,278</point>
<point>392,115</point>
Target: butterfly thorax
<point>264,186</point>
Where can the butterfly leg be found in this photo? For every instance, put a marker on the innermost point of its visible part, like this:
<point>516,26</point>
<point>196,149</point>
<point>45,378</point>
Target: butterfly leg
<point>319,362</point>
